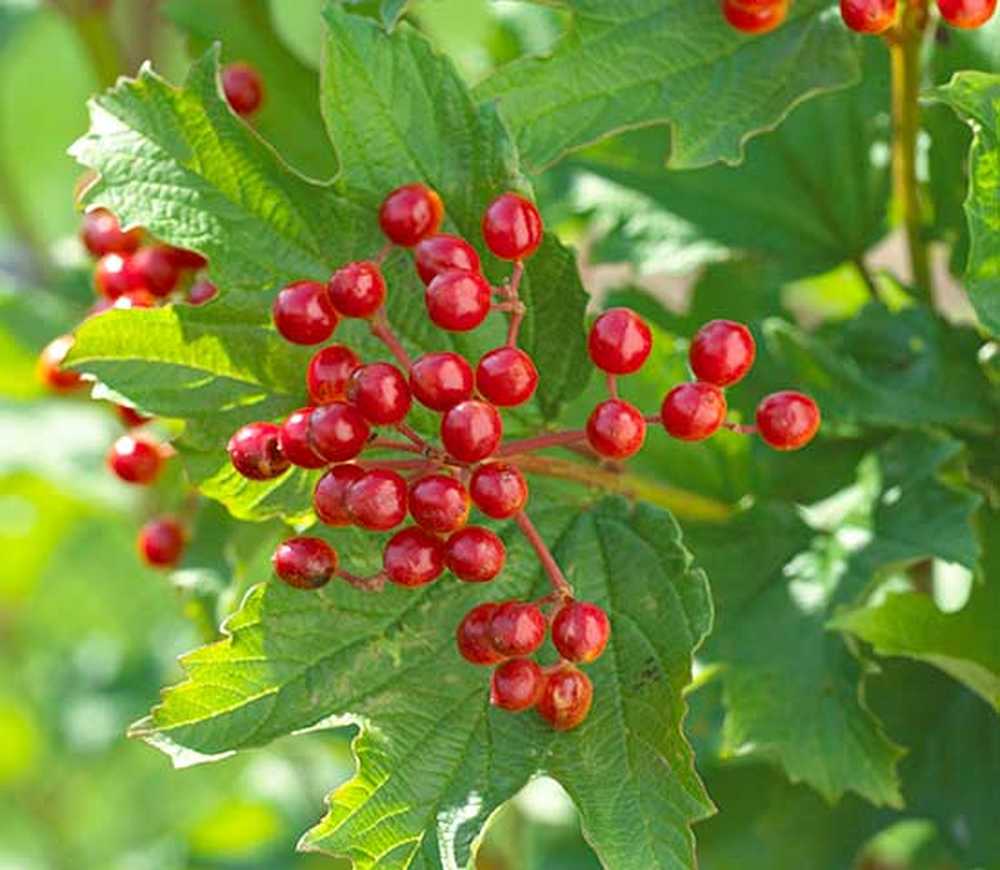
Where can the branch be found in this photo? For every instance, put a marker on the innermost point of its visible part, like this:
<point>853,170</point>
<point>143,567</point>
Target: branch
<point>540,442</point>
<point>560,586</point>
<point>383,331</point>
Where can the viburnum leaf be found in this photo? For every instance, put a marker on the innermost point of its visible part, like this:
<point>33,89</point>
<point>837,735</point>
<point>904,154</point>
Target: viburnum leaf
<point>435,760</point>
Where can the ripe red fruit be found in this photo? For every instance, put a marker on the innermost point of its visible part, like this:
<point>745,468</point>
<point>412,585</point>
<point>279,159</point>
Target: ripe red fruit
<point>512,227</point>
<point>304,314</point>
<point>787,420</point>
<point>412,557</point>
<point>294,440</point>
<point>475,554</point>
<point>444,253</point>
<point>135,460</point>
<point>337,431</point>
<point>516,685</point>
<point>616,429</point>
<point>471,430</point>
<point>201,292</point>
<point>187,260</point>
<point>331,492</point>
<point>255,451</point>
<point>139,298</point>
<point>161,542</point>
<point>473,636</point>
<point>439,503</point>
<point>243,88</point>
<point>722,352</point>
<point>754,18</point>
<point>377,500</point>
<point>967,13</point>
<point>517,628</point>
<point>358,289</point>
<point>506,376</point>
<point>380,392</point>
<point>566,699</point>
<point>113,275</point>
<point>693,411</point>
<point>49,366</point>
<point>102,234</point>
<point>441,380</point>
<point>619,341</point>
<point>580,631</point>
<point>499,490</point>
<point>458,301</point>
<point>868,16</point>
<point>410,213</point>
<point>154,270</point>
<point>329,371</point>
<point>305,563</point>
<point>130,417</point>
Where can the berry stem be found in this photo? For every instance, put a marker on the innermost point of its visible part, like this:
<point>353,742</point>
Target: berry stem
<point>390,444</point>
<point>374,583</point>
<point>560,585</point>
<point>414,436</point>
<point>540,442</point>
<point>383,331</point>
<point>512,292</point>
<point>383,253</point>
<point>612,382</point>
<point>741,428</point>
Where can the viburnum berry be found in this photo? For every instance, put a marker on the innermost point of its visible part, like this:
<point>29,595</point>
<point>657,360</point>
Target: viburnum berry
<point>722,352</point>
<point>566,698</point>
<point>329,371</point>
<point>499,490</point>
<point>512,227</point>
<point>473,636</point>
<point>331,492</point>
<point>202,291</point>
<point>130,417</point>
<point>304,314</point>
<point>135,460</point>
<point>377,500</point>
<point>517,628</point>
<point>155,270</point>
<point>580,631</point>
<point>186,259</point>
<point>243,88</point>
<point>412,557</point>
<point>868,16</point>
<point>693,411</point>
<point>305,563</point>
<point>113,275</point>
<point>444,253</point>
<point>295,443</point>
<point>161,542</point>
<point>471,430</point>
<point>616,429</point>
<point>439,503</point>
<point>787,420</point>
<point>506,377</point>
<point>458,301</point>
<point>102,234</point>
<point>358,289</point>
<point>516,685</point>
<point>475,554</point>
<point>338,431</point>
<point>967,13</point>
<point>255,451</point>
<point>410,213</point>
<point>49,367</point>
<point>441,380</point>
<point>754,17</point>
<point>138,298</point>
<point>380,392</point>
<point>619,341</point>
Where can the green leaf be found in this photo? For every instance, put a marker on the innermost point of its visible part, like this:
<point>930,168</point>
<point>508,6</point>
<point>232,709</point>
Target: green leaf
<point>645,62</point>
<point>391,11</point>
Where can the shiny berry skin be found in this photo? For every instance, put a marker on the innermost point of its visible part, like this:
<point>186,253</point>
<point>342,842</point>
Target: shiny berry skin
<point>499,490</point>
<point>787,420</point>
<point>475,554</point>
<point>130,417</point>
<point>506,377</point>
<point>294,440</point>
<point>473,636</point>
<point>722,352</point>
<point>440,381</point>
<point>619,341</point>
<point>512,227</point>
<point>329,371</point>
<point>693,411</point>
<point>566,699</point>
<point>338,431</point>
<point>377,500</point>
<point>187,260</point>
<point>49,366</point>
<point>868,16</point>
<point>439,503</point>
<point>616,429</point>
<point>331,492</point>
<point>410,213</point>
<point>161,542</point>
<point>202,291</point>
<point>102,234</point>
<point>357,289</point>
<point>135,460</point>
<point>516,685</point>
<point>412,557</point>
<point>517,628</point>
<point>380,392</point>
<point>304,563</point>
<point>444,253</point>
<point>458,301</point>
<point>471,430</point>
<point>243,88</point>
<point>967,13</point>
<point>255,451</point>
<point>754,19</point>
<point>113,275</point>
<point>303,313</point>
<point>154,269</point>
<point>139,298</point>
<point>580,631</point>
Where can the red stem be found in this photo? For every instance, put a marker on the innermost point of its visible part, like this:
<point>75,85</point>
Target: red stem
<point>742,428</point>
<point>517,317</point>
<point>375,583</point>
<point>383,331</point>
<point>540,442</point>
<point>612,382</point>
<point>379,258</point>
<point>560,586</point>
<point>389,444</point>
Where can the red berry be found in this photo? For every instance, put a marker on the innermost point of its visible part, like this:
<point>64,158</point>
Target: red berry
<point>566,699</point>
<point>304,314</point>
<point>358,289</point>
<point>471,430</point>
<point>475,554</point>
<point>130,417</point>
<point>512,227</point>
<point>439,503</point>
<point>161,542</point>
<point>787,420</point>
<point>722,352</point>
<point>49,367</point>
<point>444,253</point>
<point>380,392</point>
<point>693,411</point>
<point>138,298</point>
<point>338,431</point>
<point>243,88</point>
<point>377,500</point>
<point>331,492</point>
<point>868,16</point>
<point>473,636</point>
<point>255,451</point>
<point>517,628</point>
<point>441,380</point>
<point>516,685</point>
<point>201,292</point>
<point>410,213</point>
<point>506,377</point>
<point>616,429</point>
<point>412,557</point>
<point>619,341</point>
<point>499,490</point>
<point>154,270</point>
<point>458,301</point>
<point>754,18</point>
<point>113,275</point>
<point>135,460</point>
<point>102,234</point>
<point>328,373</point>
<point>187,260</point>
<point>967,13</point>
<point>305,563</point>
<point>294,440</point>
<point>580,631</point>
